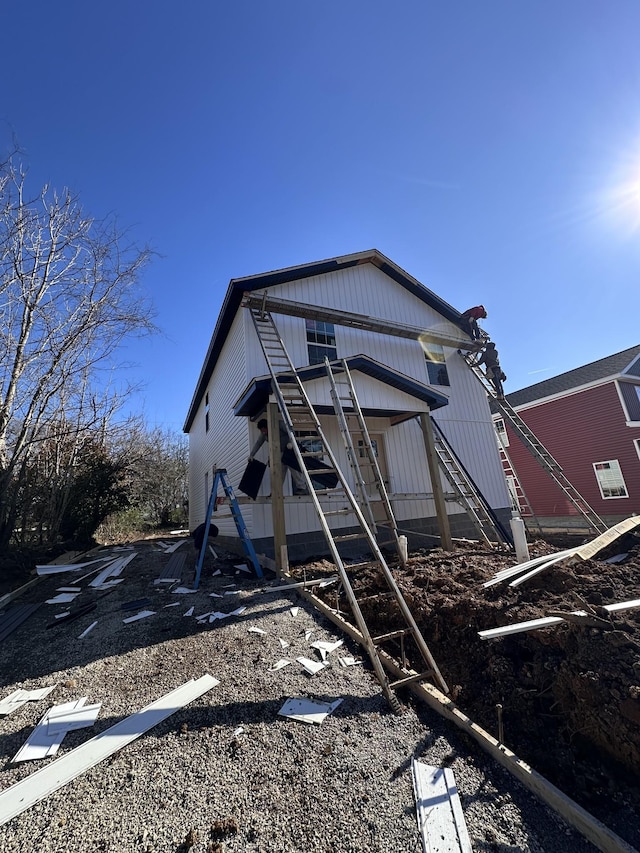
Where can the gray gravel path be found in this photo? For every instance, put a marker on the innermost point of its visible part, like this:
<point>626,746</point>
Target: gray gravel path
<point>197,781</point>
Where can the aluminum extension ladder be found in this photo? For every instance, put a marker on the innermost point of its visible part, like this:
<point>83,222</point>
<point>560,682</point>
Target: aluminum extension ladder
<point>360,451</point>
<point>521,503</point>
<point>537,448</point>
<point>221,479</point>
<point>469,496</point>
<point>298,414</point>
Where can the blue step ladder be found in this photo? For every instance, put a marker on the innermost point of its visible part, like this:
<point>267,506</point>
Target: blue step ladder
<point>247,544</point>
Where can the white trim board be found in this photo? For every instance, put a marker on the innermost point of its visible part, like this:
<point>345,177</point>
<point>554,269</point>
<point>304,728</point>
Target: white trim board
<point>440,819</point>
<point>547,621</point>
<point>19,797</point>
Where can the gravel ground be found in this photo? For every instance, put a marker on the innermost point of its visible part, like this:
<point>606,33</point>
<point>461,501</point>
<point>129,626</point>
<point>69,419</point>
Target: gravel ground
<point>196,781</point>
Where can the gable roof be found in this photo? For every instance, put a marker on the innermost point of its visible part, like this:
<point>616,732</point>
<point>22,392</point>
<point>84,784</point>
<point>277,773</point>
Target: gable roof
<point>238,286</point>
<point>605,368</point>
<point>254,399</point>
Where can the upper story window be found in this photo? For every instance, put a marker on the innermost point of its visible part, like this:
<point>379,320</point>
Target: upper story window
<point>321,341</point>
<point>206,412</point>
<point>436,365</point>
<point>610,479</point>
<point>637,444</point>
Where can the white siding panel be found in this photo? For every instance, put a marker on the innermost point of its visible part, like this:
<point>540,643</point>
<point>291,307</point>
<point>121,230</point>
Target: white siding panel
<point>363,289</point>
<point>371,394</point>
<point>226,444</point>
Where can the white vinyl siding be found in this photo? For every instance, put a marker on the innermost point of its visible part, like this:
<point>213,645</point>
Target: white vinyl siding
<point>466,421</point>
<point>610,479</point>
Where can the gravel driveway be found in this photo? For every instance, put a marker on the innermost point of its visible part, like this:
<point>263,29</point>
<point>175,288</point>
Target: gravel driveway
<point>227,772</point>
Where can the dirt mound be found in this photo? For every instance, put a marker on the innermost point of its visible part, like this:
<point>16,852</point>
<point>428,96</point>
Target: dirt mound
<point>570,694</point>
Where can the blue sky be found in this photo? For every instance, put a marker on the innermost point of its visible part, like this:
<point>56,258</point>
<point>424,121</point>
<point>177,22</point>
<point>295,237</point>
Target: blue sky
<point>491,148</point>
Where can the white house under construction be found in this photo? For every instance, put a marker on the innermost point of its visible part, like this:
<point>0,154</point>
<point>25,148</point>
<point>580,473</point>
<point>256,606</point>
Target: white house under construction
<point>395,344</point>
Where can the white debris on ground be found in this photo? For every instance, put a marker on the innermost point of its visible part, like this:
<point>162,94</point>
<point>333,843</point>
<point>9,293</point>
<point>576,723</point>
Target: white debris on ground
<point>230,767</point>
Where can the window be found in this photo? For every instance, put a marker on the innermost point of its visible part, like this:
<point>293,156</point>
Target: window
<point>321,341</point>
<point>206,412</point>
<point>501,432</point>
<point>436,366</point>
<point>610,479</point>
<point>637,444</point>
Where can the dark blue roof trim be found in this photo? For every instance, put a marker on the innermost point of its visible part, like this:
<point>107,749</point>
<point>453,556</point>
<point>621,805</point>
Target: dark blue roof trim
<point>238,286</point>
<point>256,396</point>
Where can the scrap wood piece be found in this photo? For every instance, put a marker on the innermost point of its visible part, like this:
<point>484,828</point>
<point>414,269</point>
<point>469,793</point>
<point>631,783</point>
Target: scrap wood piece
<point>19,797</point>
<point>584,619</point>
<point>319,582</point>
<point>441,821</point>
<point>586,552</point>
<point>546,622</point>
<point>14,617</point>
<point>253,630</point>
<point>307,710</point>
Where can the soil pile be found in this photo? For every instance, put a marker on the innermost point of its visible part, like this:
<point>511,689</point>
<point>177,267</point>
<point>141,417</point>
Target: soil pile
<point>570,693</point>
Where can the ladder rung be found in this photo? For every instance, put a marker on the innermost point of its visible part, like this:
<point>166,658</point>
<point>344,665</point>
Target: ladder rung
<point>410,679</point>
<point>402,632</point>
<point>349,536</point>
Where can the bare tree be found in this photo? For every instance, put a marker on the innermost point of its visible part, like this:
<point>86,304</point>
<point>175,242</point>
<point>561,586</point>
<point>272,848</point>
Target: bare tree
<point>68,299</point>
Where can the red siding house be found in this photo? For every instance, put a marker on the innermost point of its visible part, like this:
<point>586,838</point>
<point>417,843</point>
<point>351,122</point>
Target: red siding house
<point>589,420</point>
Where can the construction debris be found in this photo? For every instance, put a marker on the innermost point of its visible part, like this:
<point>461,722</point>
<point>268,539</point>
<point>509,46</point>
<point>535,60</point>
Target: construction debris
<point>440,818</point>
<point>308,710</point>
<point>19,797</point>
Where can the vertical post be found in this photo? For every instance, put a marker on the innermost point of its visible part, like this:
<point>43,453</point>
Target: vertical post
<point>277,495</point>
<point>436,483</point>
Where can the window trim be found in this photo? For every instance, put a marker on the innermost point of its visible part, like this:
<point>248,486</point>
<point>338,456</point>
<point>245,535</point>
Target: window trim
<point>321,336</point>
<point>614,467</point>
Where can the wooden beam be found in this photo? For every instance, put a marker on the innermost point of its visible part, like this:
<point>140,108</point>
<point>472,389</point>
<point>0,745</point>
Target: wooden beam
<point>436,483</point>
<point>277,494</point>
<point>258,299</point>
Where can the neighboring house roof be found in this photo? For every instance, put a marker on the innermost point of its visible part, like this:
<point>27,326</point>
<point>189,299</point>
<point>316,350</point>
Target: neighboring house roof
<point>237,286</point>
<point>605,368</point>
<point>254,399</point>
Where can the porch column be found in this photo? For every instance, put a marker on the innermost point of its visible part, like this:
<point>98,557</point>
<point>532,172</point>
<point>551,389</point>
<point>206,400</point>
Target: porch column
<point>277,495</point>
<point>436,483</point>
